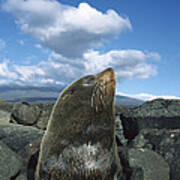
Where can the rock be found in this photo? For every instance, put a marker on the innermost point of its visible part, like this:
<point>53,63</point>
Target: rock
<point>137,174</point>
<point>143,164</point>
<point>36,115</point>
<point>10,163</point>
<point>120,132</point>
<point>17,137</point>
<point>4,116</point>
<point>25,113</point>
<point>164,142</point>
<point>44,115</point>
<point>21,177</point>
<point>25,142</point>
<point>158,114</point>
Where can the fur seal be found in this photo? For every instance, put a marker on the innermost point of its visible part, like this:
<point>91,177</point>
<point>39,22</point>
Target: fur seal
<point>79,143</point>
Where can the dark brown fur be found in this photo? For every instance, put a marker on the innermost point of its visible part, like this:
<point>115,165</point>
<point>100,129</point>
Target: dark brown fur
<point>80,139</point>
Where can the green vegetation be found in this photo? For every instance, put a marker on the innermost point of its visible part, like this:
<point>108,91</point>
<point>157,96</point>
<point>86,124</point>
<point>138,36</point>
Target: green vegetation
<point>5,106</point>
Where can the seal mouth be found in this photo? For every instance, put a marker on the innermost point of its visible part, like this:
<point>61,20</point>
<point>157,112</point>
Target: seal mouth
<point>104,90</point>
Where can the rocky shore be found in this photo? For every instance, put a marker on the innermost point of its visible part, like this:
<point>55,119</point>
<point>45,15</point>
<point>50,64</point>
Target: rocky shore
<point>148,139</point>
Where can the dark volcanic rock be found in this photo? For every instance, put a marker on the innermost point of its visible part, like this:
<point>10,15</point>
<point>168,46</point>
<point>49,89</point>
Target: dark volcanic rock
<point>36,115</point>
<point>10,163</point>
<point>164,142</point>
<point>143,164</point>
<point>146,154</point>
<point>45,112</point>
<point>17,137</point>
<point>25,113</point>
<point>24,142</point>
<point>158,114</point>
<point>120,139</point>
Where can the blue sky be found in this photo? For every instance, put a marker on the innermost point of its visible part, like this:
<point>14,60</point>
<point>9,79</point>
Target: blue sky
<point>52,43</point>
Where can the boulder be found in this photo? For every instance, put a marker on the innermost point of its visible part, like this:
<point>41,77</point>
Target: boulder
<point>44,115</point>
<point>164,142</point>
<point>36,115</point>
<point>22,177</point>
<point>120,132</point>
<point>24,141</point>
<point>25,113</point>
<point>10,163</point>
<point>158,114</point>
<point>143,164</point>
<point>17,137</point>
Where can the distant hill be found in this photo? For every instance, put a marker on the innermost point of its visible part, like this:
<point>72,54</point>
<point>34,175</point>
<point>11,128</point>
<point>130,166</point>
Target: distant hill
<point>124,101</point>
<point>29,93</point>
<point>49,94</point>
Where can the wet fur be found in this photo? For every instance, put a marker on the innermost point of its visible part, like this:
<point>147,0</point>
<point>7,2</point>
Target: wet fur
<point>80,142</point>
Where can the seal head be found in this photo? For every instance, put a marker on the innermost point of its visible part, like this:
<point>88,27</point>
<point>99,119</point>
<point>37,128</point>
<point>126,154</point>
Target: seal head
<point>80,139</point>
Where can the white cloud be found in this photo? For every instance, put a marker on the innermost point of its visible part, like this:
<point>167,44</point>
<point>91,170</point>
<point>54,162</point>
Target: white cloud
<point>38,46</point>
<point>61,70</point>
<point>127,63</point>
<point>72,33</point>
<point>3,82</point>
<point>5,72</point>
<point>67,30</point>
<point>51,82</point>
<point>154,56</point>
<point>2,44</point>
<point>28,74</point>
<point>147,97</point>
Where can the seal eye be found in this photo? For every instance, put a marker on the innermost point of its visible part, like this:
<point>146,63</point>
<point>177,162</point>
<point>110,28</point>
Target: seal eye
<point>90,80</point>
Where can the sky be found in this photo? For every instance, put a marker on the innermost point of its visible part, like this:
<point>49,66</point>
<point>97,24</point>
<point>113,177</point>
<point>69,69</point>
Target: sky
<point>52,43</point>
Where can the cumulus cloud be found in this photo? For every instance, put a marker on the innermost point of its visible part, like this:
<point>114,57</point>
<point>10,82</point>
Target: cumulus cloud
<point>154,55</point>
<point>147,97</point>
<point>28,73</point>
<point>67,30</point>
<point>61,73</point>
<point>38,46</point>
<point>127,63</point>
<point>61,70</point>
<point>2,44</point>
<point>72,33</point>
<point>5,72</point>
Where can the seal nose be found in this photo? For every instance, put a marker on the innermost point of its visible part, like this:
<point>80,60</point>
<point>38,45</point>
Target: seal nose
<point>108,70</point>
<point>109,80</point>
